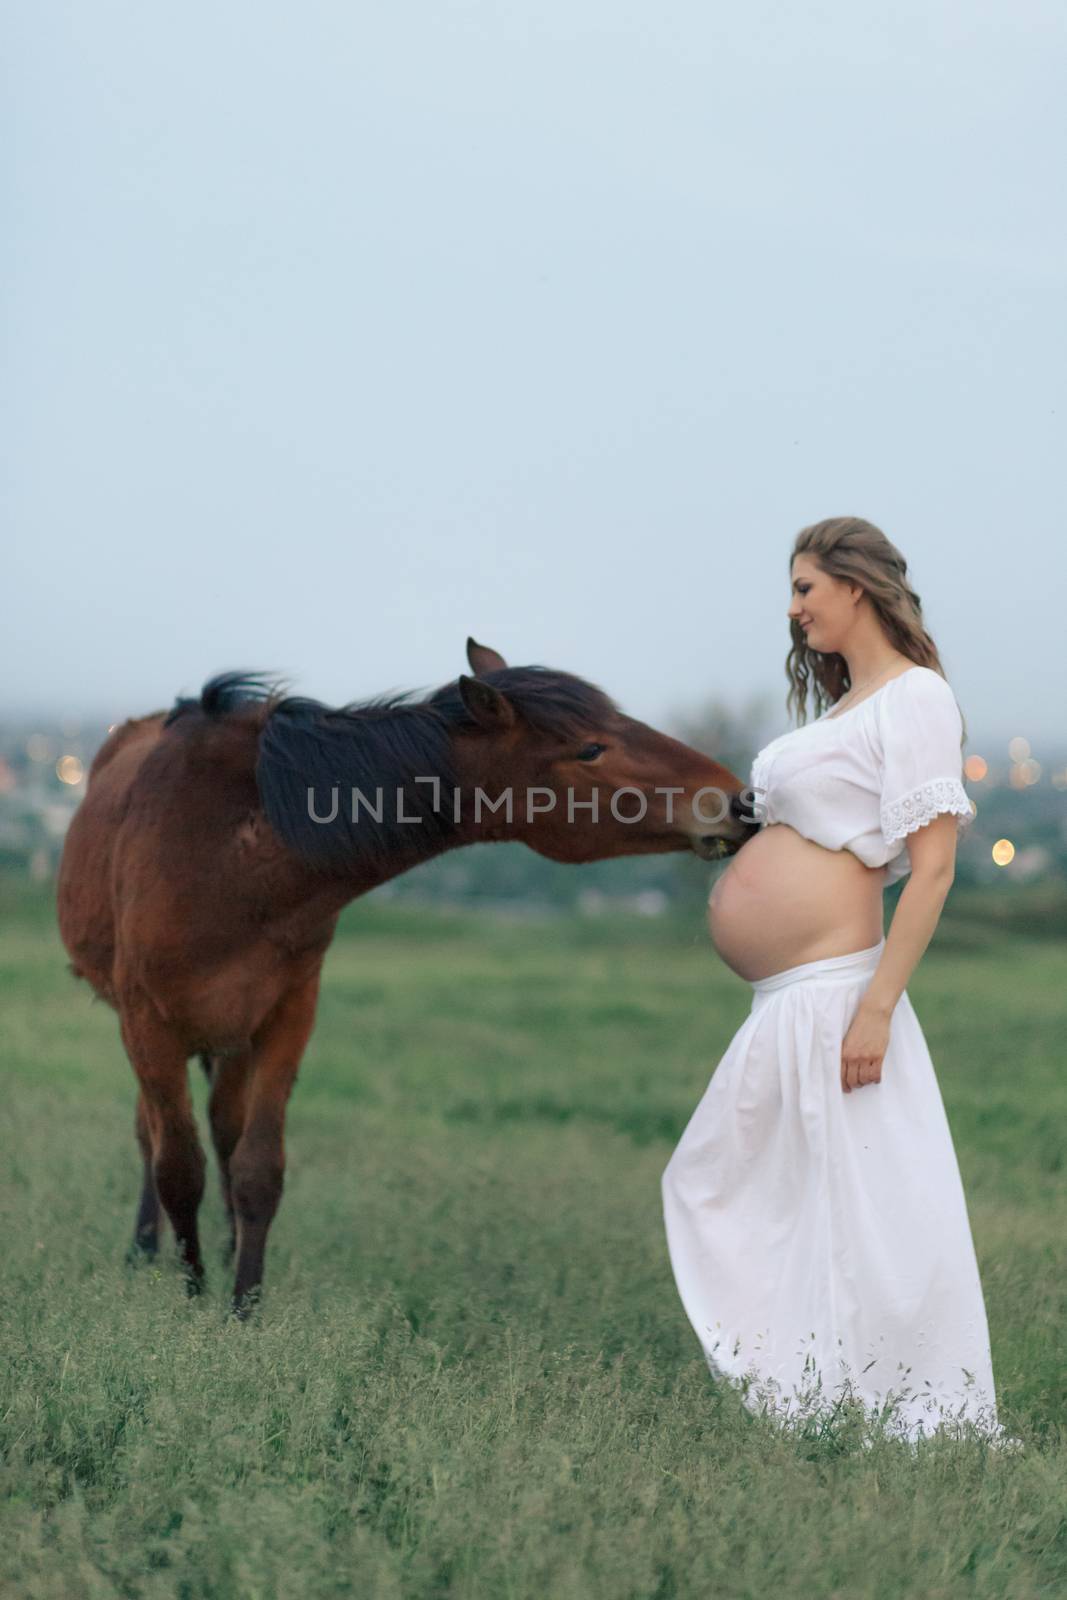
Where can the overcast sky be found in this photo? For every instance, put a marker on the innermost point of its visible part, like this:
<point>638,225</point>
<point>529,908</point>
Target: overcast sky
<point>337,332</point>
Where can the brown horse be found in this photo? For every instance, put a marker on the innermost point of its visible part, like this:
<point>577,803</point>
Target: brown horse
<point>204,872</point>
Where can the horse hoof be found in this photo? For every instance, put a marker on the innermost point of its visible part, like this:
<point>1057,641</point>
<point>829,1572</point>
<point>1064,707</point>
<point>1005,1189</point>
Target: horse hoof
<point>243,1305</point>
<point>194,1283</point>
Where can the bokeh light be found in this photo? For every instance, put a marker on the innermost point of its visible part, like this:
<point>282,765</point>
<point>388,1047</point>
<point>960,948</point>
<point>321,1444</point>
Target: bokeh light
<point>69,769</point>
<point>975,768</point>
<point>1019,748</point>
<point>1003,852</point>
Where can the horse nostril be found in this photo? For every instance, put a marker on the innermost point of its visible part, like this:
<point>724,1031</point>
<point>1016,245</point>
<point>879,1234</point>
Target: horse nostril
<point>742,809</point>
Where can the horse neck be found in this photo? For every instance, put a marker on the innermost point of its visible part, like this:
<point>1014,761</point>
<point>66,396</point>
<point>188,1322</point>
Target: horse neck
<point>299,888</point>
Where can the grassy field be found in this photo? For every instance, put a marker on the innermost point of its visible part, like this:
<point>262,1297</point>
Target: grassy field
<point>471,1374</point>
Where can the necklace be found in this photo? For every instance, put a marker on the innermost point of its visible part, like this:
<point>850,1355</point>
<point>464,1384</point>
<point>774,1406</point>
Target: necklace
<point>856,687</point>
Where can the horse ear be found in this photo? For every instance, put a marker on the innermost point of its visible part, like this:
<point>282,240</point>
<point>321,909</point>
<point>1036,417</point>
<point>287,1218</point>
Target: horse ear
<point>489,708</point>
<point>482,659</point>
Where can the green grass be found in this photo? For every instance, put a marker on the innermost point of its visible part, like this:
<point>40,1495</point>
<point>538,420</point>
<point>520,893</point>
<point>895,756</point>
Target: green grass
<point>471,1374</point>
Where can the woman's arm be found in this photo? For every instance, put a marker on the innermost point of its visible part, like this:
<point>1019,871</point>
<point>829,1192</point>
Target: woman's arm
<point>932,851</point>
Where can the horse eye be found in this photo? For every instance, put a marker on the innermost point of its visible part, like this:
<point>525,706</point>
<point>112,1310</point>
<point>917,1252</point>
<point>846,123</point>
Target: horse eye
<point>589,752</point>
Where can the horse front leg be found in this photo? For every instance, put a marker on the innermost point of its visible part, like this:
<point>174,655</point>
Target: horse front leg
<point>145,1241</point>
<point>257,1165</point>
<point>227,1112</point>
<point>160,1062</point>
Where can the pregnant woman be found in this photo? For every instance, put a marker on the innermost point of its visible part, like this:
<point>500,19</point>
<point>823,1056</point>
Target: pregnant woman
<point>814,1210</point>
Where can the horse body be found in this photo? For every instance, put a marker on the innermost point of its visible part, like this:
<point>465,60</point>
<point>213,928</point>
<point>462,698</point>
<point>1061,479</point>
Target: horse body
<point>173,888</point>
<point>197,899</point>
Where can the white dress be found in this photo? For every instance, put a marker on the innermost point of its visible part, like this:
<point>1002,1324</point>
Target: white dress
<point>820,1241</point>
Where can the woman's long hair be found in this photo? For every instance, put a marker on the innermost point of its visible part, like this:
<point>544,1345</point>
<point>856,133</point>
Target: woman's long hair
<point>854,550</point>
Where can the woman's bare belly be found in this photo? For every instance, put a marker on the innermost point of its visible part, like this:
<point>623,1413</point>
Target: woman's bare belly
<point>784,900</point>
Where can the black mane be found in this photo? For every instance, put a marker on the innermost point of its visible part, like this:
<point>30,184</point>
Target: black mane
<point>555,703</point>
<point>309,751</point>
<point>226,692</point>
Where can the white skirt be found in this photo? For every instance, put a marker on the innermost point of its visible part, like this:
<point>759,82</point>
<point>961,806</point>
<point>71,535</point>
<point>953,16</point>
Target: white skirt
<point>820,1240</point>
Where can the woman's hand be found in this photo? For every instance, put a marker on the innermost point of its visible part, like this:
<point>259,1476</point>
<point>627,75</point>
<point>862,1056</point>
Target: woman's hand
<point>864,1048</point>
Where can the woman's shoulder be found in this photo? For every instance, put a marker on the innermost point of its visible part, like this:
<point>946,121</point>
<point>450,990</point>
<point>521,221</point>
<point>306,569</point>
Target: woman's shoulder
<point>921,685</point>
<point>918,696</point>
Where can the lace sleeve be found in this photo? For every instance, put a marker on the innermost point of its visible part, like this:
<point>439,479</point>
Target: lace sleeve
<point>922,762</point>
<point>901,817</point>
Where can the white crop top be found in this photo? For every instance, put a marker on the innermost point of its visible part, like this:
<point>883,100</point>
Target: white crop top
<point>864,779</point>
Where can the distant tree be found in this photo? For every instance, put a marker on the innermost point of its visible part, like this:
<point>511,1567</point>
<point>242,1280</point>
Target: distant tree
<point>731,734</point>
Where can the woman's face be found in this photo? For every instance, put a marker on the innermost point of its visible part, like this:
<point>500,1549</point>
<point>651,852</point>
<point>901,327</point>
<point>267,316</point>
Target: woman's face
<point>822,605</point>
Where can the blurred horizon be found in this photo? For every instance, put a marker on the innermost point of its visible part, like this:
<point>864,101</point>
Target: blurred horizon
<point>758,711</point>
